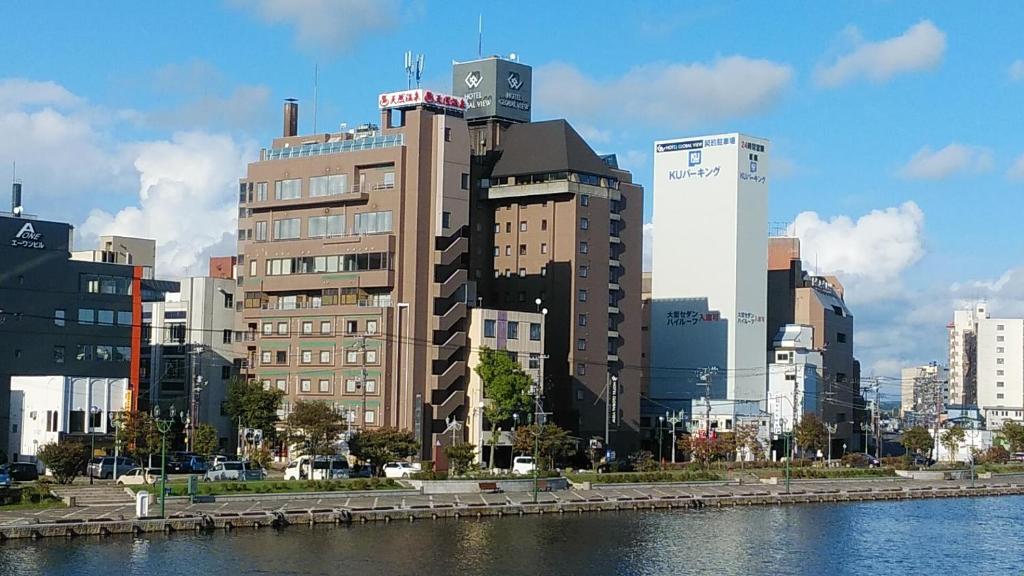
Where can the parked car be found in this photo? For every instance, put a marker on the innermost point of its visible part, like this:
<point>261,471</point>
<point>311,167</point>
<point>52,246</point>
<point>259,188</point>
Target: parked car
<point>23,471</point>
<point>363,471</point>
<point>1017,457</point>
<point>234,470</point>
<point>921,460</point>
<point>325,468</point>
<point>5,477</point>
<point>400,469</point>
<point>523,465</point>
<point>103,467</point>
<point>137,476</point>
<point>861,460</point>
<point>190,463</point>
<point>614,465</point>
<point>220,459</point>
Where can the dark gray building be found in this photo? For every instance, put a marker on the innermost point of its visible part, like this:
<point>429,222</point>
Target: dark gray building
<point>62,317</point>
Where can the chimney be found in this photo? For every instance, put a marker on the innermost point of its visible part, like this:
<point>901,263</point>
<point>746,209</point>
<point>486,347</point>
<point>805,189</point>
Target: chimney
<point>291,117</point>
<point>16,199</point>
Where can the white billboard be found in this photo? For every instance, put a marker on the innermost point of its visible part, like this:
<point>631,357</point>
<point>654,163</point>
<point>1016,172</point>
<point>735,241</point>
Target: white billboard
<point>711,241</point>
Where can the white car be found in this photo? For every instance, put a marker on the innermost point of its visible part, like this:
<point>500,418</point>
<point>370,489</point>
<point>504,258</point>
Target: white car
<point>522,465</point>
<point>138,476</point>
<point>400,469</point>
<point>327,468</point>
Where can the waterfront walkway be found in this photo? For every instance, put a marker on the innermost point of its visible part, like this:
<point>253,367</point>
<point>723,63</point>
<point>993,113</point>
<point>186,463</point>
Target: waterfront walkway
<point>280,510</point>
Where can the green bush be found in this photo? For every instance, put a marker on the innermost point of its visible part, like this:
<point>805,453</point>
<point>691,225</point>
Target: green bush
<point>36,493</point>
<point>648,477</point>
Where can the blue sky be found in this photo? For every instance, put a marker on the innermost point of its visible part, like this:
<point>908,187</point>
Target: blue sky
<point>895,126</point>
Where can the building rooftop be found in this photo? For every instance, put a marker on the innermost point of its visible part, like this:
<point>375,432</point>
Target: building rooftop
<point>548,146</point>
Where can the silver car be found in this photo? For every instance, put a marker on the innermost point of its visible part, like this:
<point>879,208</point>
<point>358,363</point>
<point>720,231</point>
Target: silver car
<point>234,470</point>
<point>103,467</point>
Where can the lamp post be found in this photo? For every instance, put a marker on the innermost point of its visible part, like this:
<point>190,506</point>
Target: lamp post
<point>831,428</point>
<point>674,419</point>
<point>162,426</point>
<point>116,423</point>
<point>789,456</point>
<point>661,421</point>
<point>93,411</point>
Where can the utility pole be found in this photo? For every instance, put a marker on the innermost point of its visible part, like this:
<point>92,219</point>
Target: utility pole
<point>361,347</point>
<point>794,404</point>
<point>706,375</point>
<point>878,423</point>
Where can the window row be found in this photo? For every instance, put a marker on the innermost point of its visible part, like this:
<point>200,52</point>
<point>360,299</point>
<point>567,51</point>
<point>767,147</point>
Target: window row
<point>99,353</point>
<point>323,385</point>
<point>103,284</point>
<point>324,264</point>
<point>511,330</point>
<point>306,327</point>
<point>100,317</point>
<point>322,226</point>
<point>319,186</point>
<point>280,357</point>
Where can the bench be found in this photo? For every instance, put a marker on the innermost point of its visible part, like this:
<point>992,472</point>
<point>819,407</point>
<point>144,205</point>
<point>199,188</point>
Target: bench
<point>491,487</point>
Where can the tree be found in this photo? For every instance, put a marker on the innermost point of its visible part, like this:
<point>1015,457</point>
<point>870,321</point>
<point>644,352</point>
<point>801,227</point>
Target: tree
<point>315,427</point>
<point>747,441</point>
<point>66,460</point>
<point>506,388</point>
<point>140,435</point>
<point>643,461</point>
<point>205,441</point>
<point>460,457</point>
<point>918,440</point>
<point>252,406</point>
<point>552,443</point>
<point>382,445</point>
<point>951,440</point>
<point>703,450</point>
<point>1013,433</point>
<point>809,434</point>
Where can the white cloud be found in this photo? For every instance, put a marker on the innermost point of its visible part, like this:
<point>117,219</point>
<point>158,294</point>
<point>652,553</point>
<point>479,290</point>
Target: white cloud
<point>334,25</point>
<point>673,95</point>
<point>921,47</point>
<point>1017,70</point>
<point>1016,171</point>
<point>245,108</point>
<point>955,158</point>
<point>648,246</point>
<point>187,199</point>
<point>868,255</point>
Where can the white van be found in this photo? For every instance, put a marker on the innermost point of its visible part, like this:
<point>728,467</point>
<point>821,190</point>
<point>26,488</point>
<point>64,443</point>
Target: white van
<point>326,468</point>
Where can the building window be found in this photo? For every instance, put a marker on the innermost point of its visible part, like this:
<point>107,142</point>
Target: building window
<point>352,356</point>
<point>497,250</point>
<point>1000,338</point>
<point>584,223</point>
<point>508,250</point>
<point>582,320</point>
<point>59,317</point>
<point>543,270</point>
<point>371,326</point>
<point>497,227</point>
<point>325,356</point>
<point>105,317</point>
<point>229,301</point>
<point>489,328</point>
<point>581,369</point>
<point>372,222</point>
<point>1000,397</point>
<point>369,416</point>
<point>225,372</point>
<point>371,356</point>
<point>522,249</point>
<point>282,328</point>
<point>1000,360</point>
<point>58,354</point>
<point>325,327</point>
<point>447,134</point>
<point>579,394</point>
<point>508,227</point>
<point>351,326</point>
<point>522,274</point>
<point>326,226</point>
<point>282,356</point>
<point>307,327</point>
<point>465,181</point>
<point>512,331</point>
<point>268,328</point>
<point>282,385</point>
<point>584,248</point>
<point>351,386</point>
<point>584,199</point>
<point>1000,350</point>
<point>86,316</point>
<point>331,185</point>
<point>307,356</point>
<point>325,385</point>
<point>543,247</point>
<point>261,231</point>
<point>261,191</point>
<point>522,226</point>
<point>266,358</point>
<point>226,336</point>
<point>1000,327</point>
<point>287,228</point>
<point>534,362</point>
<point>389,180</point>
<point>1000,384</point>
<point>304,385</point>
<point>446,220</point>
<point>581,344</point>
<point>840,337</point>
<point>124,318</point>
<point>287,189</point>
<point>534,331</point>
<point>582,296</point>
<point>584,271</point>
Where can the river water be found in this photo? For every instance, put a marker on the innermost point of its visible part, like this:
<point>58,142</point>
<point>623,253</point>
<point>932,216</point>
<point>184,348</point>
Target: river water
<point>948,536</point>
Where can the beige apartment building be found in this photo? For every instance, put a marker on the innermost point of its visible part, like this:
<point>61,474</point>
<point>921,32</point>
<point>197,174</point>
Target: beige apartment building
<point>352,262</point>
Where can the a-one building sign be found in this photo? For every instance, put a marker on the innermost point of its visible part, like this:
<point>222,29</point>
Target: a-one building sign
<point>27,237</point>
<point>494,88</point>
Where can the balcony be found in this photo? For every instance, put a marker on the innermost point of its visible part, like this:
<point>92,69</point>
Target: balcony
<point>324,148</point>
<point>305,201</point>
<point>613,358</point>
<point>613,309</point>
<point>614,239</point>
<point>615,263</point>
<point>615,217</point>
<point>614,286</point>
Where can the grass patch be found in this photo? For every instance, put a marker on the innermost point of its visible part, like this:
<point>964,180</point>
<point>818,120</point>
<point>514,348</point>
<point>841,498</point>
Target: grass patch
<point>646,477</point>
<point>277,486</point>
<point>40,505</point>
<point>821,473</point>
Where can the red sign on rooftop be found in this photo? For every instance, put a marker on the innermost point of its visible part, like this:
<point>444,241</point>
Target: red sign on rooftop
<point>417,97</point>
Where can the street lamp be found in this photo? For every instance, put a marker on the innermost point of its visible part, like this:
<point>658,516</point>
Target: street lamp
<point>661,420</point>
<point>674,419</point>
<point>93,411</point>
<point>116,423</point>
<point>162,426</point>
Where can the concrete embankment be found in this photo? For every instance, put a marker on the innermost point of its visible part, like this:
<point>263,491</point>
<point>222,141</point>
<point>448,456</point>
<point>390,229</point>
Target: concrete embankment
<point>407,508</point>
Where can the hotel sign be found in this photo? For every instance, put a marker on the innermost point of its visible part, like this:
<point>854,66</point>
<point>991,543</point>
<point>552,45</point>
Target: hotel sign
<point>418,97</point>
<point>27,237</point>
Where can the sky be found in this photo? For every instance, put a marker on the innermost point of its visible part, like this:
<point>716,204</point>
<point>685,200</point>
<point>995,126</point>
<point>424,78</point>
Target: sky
<point>894,126</point>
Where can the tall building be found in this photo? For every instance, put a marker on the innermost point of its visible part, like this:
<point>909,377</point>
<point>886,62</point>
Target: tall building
<point>796,297</point>
<point>64,318</point>
<point>553,220</point>
<point>923,392</point>
<point>187,352</point>
<point>352,265</point>
<point>1000,370</point>
<point>963,354</point>
<point>710,239</point>
<point>793,379</point>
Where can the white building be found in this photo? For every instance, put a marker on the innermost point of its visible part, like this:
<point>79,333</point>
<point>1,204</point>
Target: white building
<point>521,334</point>
<point>726,416</point>
<point>963,334</point>
<point>1001,370</point>
<point>46,409</point>
<point>189,336</point>
<point>921,387</point>
<point>980,440</point>
<point>793,378</point>
<point>711,241</point>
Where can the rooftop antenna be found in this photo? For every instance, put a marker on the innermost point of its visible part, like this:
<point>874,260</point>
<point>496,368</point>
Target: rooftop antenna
<point>419,69</point>
<point>408,69</point>
<point>316,87</point>
<point>480,37</point>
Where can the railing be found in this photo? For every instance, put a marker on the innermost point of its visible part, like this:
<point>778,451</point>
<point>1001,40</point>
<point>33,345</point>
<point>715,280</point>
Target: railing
<point>320,149</point>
